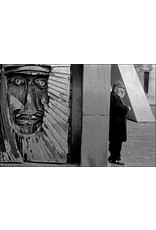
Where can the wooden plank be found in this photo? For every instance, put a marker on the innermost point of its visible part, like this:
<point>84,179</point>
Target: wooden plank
<point>60,121</point>
<point>58,99</point>
<point>52,139</point>
<point>61,69</point>
<point>53,154</point>
<point>50,156</point>
<point>64,124</point>
<point>61,157</point>
<point>60,79</point>
<point>45,151</point>
<point>58,112</point>
<point>56,135</point>
<point>61,107</point>
<point>57,126</point>
<point>59,84</point>
<point>46,139</point>
<point>41,151</point>
<point>62,76</point>
<point>58,89</point>
<point>58,94</point>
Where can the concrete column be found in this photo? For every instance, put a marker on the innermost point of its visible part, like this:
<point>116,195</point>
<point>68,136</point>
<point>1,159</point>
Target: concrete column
<point>95,114</point>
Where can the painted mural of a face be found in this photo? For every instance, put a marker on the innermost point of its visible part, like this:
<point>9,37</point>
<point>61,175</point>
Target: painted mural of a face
<point>27,94</point>
<point>34,113</point>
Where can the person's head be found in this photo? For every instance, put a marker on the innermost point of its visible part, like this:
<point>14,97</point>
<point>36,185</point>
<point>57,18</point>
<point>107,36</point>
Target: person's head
<point>27,93</point>
<point>119,88</point>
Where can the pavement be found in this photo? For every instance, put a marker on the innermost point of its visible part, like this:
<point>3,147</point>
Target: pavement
<point>139,150</point>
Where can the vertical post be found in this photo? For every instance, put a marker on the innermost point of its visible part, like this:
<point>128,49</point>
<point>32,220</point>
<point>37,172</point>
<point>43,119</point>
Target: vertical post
<point>76,117</point>
<point>2,146</point>
<point>95,115</point>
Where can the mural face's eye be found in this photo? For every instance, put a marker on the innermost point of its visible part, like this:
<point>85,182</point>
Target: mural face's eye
<point>42,83</point>
<point>19,81</point>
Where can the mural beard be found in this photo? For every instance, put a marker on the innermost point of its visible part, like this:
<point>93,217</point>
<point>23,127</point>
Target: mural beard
<point>37,148</point>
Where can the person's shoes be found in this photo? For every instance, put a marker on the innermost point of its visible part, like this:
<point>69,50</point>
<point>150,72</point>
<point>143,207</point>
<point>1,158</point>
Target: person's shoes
<point>118,162</point>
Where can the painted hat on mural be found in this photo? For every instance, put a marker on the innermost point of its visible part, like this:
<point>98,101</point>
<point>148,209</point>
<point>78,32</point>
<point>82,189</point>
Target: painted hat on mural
<point>27,68</point>
<point>118,84</point>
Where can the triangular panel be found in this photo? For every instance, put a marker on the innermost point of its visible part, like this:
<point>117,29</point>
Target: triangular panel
<point>135,98</point>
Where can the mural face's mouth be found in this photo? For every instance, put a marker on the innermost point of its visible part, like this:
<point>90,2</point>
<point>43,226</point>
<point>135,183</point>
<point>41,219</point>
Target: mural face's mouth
<point>26,121</point>
<point>28,118</point>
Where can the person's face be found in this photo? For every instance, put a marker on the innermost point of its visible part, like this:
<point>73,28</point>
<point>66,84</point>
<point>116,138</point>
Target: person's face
<point>27,95</point>
<point>120,92</point>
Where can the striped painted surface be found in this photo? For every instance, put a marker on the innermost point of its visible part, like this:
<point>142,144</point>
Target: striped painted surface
<point>57,113</point>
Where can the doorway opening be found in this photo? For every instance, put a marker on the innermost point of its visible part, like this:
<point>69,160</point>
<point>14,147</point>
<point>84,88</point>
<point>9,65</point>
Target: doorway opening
<point>146,82</point>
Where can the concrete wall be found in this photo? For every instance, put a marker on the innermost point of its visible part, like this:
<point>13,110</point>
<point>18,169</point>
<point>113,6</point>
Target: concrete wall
<point>95,114</point>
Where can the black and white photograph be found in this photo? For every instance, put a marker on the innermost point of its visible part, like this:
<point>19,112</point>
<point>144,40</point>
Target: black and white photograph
<point>77,141</point>
<point>77,115</point>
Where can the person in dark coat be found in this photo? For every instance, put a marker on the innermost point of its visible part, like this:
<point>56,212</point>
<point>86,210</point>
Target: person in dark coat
<point>117,125</point>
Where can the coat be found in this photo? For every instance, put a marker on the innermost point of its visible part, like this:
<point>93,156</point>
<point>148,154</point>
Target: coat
<point>117,124</point>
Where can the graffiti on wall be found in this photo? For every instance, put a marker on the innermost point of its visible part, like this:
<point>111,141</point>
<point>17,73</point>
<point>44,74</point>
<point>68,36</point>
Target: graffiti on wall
<point>34,113</point>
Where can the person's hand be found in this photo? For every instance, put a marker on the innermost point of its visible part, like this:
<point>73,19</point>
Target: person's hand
<point>129,108</point>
